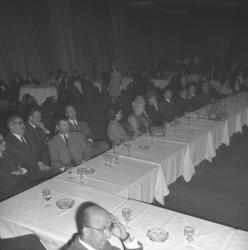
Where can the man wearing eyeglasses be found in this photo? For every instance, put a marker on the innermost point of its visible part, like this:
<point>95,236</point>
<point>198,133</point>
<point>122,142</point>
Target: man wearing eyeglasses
<point>24,149</point>
<point>95,226</point>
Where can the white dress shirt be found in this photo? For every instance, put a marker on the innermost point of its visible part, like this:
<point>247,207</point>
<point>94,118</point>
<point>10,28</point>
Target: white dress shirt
<point>19,137</point>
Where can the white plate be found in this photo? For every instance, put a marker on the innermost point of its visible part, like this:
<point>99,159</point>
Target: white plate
<point>65,203</point>
<point>157,234</point>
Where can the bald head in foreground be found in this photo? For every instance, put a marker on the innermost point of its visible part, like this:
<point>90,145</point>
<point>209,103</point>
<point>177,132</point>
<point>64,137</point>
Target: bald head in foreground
<point>95,226</point>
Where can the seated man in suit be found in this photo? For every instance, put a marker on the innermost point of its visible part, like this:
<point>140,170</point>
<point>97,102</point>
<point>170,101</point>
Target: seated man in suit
<point>13,177</point>
<point>24,149</point>
<point>152,108</point>
<point>98,147</point>
<point>182,102</point>
<point>205,97</point>
<point>95,226</point>
<point>67,148</point>
<point>193,98</point>
<point>35,128</point>
<point>167,108</point>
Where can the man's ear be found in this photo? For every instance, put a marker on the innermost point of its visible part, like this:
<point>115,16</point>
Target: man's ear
<point>85,232</point>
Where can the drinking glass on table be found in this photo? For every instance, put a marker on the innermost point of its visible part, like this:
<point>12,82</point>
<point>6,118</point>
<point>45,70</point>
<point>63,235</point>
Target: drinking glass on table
<point>111,159</point>
<point>188,234</point>
<point>81,173</point>
<point>106,156</point>
<point>114,145</point>
<point>128,148</point>
<point>127,214</point>
<point>69,168</point>
<point>46,193</point>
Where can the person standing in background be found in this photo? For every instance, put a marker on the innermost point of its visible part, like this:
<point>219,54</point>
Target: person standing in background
<point>115,82</point>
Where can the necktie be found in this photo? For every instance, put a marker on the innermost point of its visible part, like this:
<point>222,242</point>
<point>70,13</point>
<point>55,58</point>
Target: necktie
<point>67,144</point>
<point>75,124</point>
<point>23,140</point>
<point>66,140</point>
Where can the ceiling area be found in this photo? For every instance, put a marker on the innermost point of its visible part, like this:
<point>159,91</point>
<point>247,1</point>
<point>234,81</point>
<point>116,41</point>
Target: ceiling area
<point>182,6</point>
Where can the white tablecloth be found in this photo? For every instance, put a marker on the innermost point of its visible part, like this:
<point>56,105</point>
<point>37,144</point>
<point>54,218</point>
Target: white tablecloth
<point>172,157</point>
<point>26,213</point>
<point>207,235</point>
<point>39,93</point>
<point>142,181</point>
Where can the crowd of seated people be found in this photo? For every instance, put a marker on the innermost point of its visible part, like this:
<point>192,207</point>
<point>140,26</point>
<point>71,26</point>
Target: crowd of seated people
<point>38,142</point>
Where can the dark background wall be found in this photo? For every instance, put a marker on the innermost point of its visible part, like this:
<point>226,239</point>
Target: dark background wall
<point>41,35</point>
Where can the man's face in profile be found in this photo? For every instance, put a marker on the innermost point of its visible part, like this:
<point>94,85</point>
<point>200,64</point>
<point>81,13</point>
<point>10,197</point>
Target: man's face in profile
<point>99,229</point>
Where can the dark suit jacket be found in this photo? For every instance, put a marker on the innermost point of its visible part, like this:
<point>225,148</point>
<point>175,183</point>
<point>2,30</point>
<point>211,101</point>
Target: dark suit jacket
<point>84,128</point>
<point>11,184</point>
<point>40,139</point>
<point>154,115</point>
<point>205,99</point>
<point>168,110</point>
<point>61,154</point>
<point>74,244</point>
<point>194,103</point>
<point>182,105</point>
<point>24,242</point>
<point>26,155</point>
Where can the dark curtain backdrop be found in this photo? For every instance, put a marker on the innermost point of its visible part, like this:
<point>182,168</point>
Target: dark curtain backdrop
<point>44,35</point>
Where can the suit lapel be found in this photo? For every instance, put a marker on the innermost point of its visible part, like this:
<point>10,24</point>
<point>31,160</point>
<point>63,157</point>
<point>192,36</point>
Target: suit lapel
<point>18,143</point>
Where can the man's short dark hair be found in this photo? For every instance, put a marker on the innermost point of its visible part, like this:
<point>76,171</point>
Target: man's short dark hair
<point>32,111</point>
<point>69,105</point>
<point>82,215</point>
<point>61,118</point>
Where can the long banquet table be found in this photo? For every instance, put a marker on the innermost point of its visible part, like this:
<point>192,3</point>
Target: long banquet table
<point>26,213</point>
<point>143,175</point>
<point>207,235</point>
<point>128,179</point>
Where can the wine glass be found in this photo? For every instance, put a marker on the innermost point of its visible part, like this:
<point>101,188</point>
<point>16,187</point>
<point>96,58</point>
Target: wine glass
<point>111,160</point>
<point>46,193</point>
<point>69,168</point>
<point>128,148</point>
<point>80,172</point>
<point>188,234</point>
<point>127,214</point>
<point>114,145</point>
<point>106,158</point>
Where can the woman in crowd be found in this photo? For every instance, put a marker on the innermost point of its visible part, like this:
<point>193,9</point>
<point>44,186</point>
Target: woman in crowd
<point>115,131</point>
<point>115,83</point>
<point>138,120</point>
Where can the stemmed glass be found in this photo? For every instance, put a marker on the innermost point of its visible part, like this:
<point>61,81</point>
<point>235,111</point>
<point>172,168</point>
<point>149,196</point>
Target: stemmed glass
<point>46,193</point>
<point>106,156</point>
<point>188,234</point>
<point>80,172</point>
<point>69,168</point>
<point>127,214</point>
<point>114,146</point>
<point>128,148</point>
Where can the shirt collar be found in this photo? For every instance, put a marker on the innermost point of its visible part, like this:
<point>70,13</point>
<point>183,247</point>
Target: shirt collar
<point>18,136</point>
<point>63,135</point>
<point>73,121</point>
<point>87,246</point>
<point>32,125</point>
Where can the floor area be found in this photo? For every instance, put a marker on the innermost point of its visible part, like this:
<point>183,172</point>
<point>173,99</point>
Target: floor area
<point>219,190</point>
